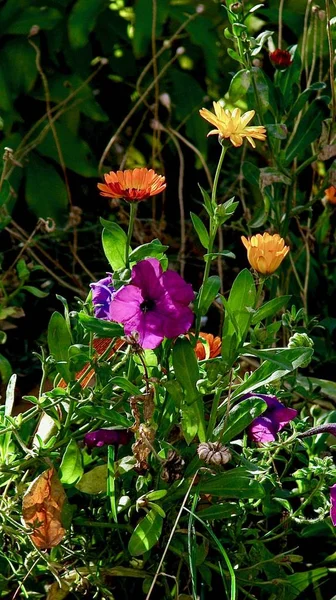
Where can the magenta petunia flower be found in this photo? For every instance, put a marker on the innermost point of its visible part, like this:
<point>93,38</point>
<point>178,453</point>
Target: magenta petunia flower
<point>333,504</point>
<point>276,416</point>
<point>106,437</point>
<point>102,293</point>
<point>154,305</point>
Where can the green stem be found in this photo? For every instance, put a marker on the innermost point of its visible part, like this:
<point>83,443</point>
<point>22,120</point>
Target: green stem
<point>213,414</point>
<point>213,228</point>
<point>133,209</point>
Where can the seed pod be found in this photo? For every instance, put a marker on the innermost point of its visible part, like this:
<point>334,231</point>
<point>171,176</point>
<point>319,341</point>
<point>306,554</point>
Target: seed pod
<point>214,453</point>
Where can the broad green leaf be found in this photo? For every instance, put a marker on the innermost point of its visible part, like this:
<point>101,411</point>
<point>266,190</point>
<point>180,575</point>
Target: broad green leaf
<point>59,341</point>
<point>275,355</point>
<point>189,423</point>
<point>146,534</point>
<point>114,243</point>
<point>5,189</point>
<point>303,98</point>
<point>201,230</point>
<point>208,292</point>
<point>102,328</point>
<point>186,368</point>
<point>82,20</point>
<point>143,24</point>
<point>239,85</point>
<point>71,469</point>
<point>77,154</point>
<point>44,17</point>
<point>328,388</point>
<point>269,309</point>
<point>93,482</point>
<point>240,417</point>
<point>5,96</point>
<point>298,582</point>
<point>124,384</point>
<point>46,193</point>
<point>153,248</point>
<point>19,53</point>
<point>111,483</point>
<point>265,91</point>
<point>236,483</point>
<point>207,201</point>
<point>237,316</point>
<point>308,131</point>
<point>277,130</point>
<point>220,511</point>
<point>268,372</point>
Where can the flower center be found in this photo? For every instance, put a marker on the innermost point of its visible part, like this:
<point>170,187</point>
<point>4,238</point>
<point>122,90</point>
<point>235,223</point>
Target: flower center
<point>147,305</point>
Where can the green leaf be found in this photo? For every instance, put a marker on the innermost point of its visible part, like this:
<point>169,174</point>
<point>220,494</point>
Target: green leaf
<point>59,341</point>
<point>240,417</point>
<point>269,309</point>
<point>5,189</point>
<point>44,17</point>
<point>114,243</point>
<point>208,293</point>
<point>10,395</point>
<point>77,154</point>
<point>82,21</point>
<point>265,91</point>
<point>71,469</point>
<point>278,131</point>
<point>19,53</point>
<point>302,99</point>
<point>146,534</point>
<point>239,85</point>
<point>103,329</point>
<point>220,511</point>
<point>186,368</point>
<point>288,80</point>
<point>298,582</point>
<point>237,316</point>
<point>268,372</point>
<point>237,483</point>
<point>35,291</point>
<point>111,483</point>
<point>93,482</point>
<point>189,423</point>
<point>308,131</point>
<point>207,201</point>
<point>154,249</point>
<point>112,417</point>
<point>46,193</point>
<point>201,230</point>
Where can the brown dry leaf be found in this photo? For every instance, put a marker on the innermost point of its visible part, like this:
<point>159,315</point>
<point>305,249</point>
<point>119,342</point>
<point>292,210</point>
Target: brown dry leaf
<point>42,507</point>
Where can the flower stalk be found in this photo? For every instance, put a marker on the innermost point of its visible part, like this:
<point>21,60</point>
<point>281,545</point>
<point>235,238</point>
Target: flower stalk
<point>133,210</point>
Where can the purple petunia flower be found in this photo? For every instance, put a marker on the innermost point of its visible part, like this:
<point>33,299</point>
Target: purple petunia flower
<point>333,504</point>
<point>154,305</point>
<point>106,437</point>
<point>276,416</point>
<point>102,293</point>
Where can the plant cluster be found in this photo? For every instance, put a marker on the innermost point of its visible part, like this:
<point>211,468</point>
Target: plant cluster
<point>167,461</point>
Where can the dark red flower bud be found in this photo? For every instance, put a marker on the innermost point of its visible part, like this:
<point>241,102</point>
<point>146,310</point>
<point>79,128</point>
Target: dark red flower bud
<point>106,437</point>
<point>281,59</point>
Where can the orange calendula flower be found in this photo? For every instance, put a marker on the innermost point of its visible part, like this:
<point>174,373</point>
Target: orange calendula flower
<point>265,252</point>
<point>207,346</point>
<point>233,125</point>
<point>330,195</point>
<point>133,184</point>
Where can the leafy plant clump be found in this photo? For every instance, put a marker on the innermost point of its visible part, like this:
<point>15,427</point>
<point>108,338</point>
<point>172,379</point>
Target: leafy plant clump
<point>166,461</point>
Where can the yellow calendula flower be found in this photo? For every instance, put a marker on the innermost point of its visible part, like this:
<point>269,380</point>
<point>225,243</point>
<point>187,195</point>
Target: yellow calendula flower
<point>265,252</point>
<point>233,125</point>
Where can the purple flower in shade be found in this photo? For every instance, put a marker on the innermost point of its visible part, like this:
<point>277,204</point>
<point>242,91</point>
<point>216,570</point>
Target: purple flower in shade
<point>102,292</point>
<point>333,504</point>
<point>154,305</point>
<point>276,416</point>
<point>106,437</point>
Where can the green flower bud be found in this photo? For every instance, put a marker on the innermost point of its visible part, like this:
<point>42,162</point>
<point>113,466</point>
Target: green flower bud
<point>301,340</point>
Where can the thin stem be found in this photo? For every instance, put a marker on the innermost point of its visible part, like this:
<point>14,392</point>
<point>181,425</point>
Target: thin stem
<point>281,5</point>
<point>213,414</point>
<point>331,69</point>
<point>213,227</point>
<point>133,209</point>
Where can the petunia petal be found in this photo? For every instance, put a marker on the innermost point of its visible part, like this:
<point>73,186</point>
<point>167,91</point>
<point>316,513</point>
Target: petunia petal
<point>147,276</point>
<point>177,288</point>
<point>262,430</point>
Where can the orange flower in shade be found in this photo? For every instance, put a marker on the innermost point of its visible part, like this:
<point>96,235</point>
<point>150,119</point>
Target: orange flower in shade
<point>210,347</point>
<point>233,125</point>
<point>133,184</point>
<point>265,252</point>
<point>330,194</point>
